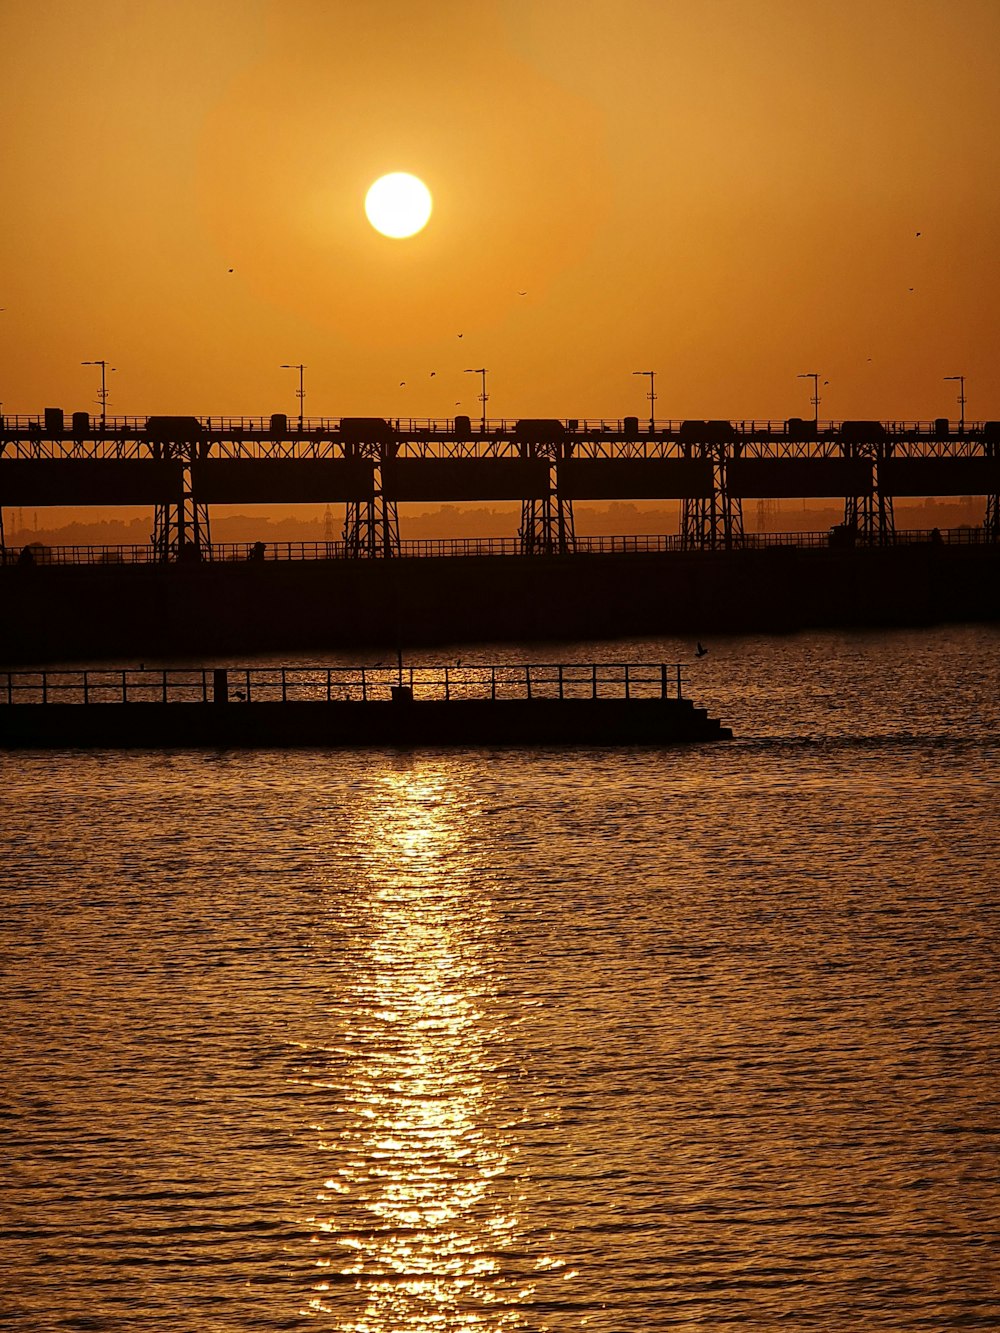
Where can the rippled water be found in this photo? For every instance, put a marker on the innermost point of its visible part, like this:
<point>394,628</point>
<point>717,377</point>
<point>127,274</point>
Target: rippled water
<point>637,1040</point>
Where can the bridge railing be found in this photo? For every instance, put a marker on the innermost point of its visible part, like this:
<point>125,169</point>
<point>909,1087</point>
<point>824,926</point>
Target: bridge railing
<point>361,684</point>
<point>260,427</point>
<point>443,547</point>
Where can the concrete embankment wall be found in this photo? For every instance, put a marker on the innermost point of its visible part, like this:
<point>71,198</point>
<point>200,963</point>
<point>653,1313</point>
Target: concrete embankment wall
<point>89,612</point>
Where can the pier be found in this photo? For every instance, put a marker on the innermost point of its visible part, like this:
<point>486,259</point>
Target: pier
<point>475,704</point>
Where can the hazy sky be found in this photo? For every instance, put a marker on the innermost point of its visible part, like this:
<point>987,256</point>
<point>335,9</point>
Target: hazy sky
<point>728,192</point>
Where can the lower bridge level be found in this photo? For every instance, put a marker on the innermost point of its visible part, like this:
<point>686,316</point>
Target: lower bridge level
<point>475,548</point>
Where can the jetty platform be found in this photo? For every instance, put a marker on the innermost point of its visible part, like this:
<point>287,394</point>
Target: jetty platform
<point>525,704</point>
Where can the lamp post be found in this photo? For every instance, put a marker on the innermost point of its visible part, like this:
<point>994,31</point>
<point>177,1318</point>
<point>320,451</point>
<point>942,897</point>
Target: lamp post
<point>651,395</point>
<point>103,394</point>
<point>814,376</point>
<point>483,396</point>
<point>300,392</point>
<point>961,400</point>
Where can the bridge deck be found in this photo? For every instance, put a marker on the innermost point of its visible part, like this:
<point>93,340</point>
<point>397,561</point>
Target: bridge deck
<point>45,435</point>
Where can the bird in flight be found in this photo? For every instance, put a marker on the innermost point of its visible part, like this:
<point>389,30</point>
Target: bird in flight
<point>461,335</point>
<point>402,384</point>
<point>522,293</point>
<point>433,373</point>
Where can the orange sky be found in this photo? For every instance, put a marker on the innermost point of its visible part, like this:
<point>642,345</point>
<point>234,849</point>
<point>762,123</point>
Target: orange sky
<point>727,192</point>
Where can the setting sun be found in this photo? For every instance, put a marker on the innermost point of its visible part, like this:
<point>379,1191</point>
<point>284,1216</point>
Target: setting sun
<point>398,205</point>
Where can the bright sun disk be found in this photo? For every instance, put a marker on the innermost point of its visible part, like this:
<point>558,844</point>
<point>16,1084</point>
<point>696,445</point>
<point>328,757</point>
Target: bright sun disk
<point>398,205</point>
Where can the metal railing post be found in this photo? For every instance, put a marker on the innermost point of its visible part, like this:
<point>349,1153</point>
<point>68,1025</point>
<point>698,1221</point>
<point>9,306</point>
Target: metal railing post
<point>678,680</point>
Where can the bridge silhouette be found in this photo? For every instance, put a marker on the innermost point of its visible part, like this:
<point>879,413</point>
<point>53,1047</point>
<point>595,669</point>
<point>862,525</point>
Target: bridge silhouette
<point>182,465</point>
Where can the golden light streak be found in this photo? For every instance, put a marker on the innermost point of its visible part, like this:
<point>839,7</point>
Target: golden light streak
<point>417,1213</point>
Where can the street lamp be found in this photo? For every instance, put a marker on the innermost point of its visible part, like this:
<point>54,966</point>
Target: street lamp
<point>300,392</point>
<point>651,395</point>
<point>814,376</point>
<point>961,400</point>
<point>483,396</point>
<point>103,394</point>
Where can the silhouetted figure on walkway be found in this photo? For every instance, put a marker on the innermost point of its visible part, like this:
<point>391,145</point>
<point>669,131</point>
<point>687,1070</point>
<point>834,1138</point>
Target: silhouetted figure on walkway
<point>27,556</point>
<point>257,551</point>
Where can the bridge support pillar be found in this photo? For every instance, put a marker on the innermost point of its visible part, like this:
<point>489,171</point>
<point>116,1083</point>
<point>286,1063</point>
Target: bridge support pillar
<point>991,523</point>
<point>715,521</point>
<point>871,516</point>
<point>547,523</point>
<point>547,526</point>
<point>181,529</point>
<point>371,527</point>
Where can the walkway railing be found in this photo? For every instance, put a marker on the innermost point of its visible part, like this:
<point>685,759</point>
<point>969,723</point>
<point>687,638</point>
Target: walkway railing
<point>376,683</point>
<point>444,547</point>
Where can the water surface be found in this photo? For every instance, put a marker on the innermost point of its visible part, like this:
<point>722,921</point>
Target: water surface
<point>618,1040</point>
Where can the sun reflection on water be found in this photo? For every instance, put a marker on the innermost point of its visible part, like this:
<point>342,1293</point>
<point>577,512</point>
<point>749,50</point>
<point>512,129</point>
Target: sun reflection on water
<point>417,1223</point>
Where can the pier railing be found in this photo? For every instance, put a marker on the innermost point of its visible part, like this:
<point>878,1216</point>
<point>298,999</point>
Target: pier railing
<point>377,683</point>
